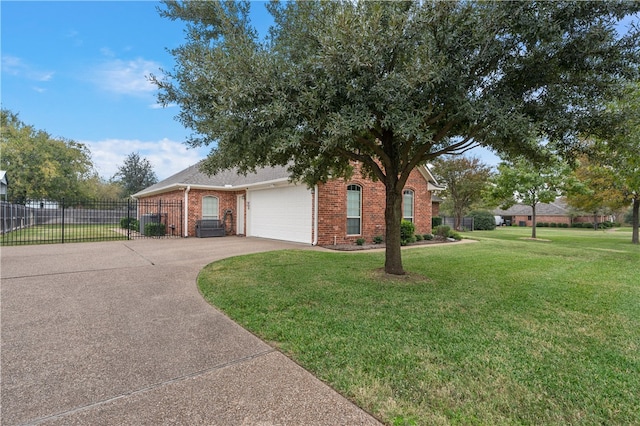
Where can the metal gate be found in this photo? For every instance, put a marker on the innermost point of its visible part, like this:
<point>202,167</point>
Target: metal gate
<point>67,221</point>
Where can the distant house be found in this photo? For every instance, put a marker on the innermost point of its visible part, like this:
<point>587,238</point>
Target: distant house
<point>4,185</point>
<point>555,212</point>
<point>266,204</point>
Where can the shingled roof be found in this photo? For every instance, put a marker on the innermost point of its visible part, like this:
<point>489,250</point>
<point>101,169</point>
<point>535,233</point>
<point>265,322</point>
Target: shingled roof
<point>226,179</point>
<point>556,208</point>
<point>231,180</point>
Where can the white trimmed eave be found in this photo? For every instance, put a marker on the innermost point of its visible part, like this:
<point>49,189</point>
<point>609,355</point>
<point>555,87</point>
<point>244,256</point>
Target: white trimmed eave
<point>181,186</point>
<point>432,183</point>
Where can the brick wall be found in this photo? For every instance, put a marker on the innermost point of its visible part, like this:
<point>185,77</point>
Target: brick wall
<point>332,209</point>
<point>540,219</point>
<point>226,200</point>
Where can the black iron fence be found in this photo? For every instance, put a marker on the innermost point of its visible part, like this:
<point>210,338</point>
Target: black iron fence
<point>50,222</point>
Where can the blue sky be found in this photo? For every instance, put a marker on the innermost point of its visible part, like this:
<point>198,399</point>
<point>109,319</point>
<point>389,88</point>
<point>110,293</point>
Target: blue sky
<point>78,70</point>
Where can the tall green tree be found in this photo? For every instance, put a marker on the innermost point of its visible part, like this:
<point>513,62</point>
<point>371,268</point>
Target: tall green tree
<point>41,166</point>
<point>465,180</point>
<point>522,181</point>
<point>391,85</point>
<point>616,155</point>
<point>135,174</point>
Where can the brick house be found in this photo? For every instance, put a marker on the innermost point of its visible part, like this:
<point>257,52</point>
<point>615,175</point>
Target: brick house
<point>557,212</point>
<point>266,204</point>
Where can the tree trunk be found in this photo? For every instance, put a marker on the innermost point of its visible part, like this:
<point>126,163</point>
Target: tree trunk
<point>533,221</point>
<point>393,218</point>
<point>634,221</point>
<point>457,225</point>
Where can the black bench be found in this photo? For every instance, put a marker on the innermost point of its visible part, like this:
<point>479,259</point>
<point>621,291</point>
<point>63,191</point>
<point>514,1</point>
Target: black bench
<point>209,228</point>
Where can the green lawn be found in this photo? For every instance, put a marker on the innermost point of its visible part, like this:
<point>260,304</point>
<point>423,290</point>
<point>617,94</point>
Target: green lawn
<point>44,234</point>
<point>502,331</point>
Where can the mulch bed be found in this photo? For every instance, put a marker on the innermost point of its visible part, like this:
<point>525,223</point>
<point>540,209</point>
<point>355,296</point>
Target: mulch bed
<point>355,247</point>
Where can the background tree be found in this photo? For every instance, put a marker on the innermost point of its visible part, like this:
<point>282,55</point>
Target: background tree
<point>95,187</point>
<point>40,166</point>
<point>595,190</point>
<point>529,183</point>
<point>613,165</point>
<point>391,85</point>
<point>135,174</point>
<point>465,180</point>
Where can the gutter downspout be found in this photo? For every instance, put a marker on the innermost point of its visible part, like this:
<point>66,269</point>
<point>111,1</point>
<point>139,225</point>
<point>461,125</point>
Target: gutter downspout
<point>315,216</point>
<point>186,210</point>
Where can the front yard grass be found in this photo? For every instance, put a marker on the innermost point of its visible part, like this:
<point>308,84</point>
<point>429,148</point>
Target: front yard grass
<point>503,331</point>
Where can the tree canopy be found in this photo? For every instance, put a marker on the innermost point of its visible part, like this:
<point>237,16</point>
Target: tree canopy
<point>392,85</point>
<point>465,180</point>
<point>611,172</point>
<point>41,166</point>
<point>522,181</point>
<point>135,174</point>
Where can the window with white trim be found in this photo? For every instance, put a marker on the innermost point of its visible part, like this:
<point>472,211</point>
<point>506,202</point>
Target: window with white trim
<point>354,210</point>
<point>210,207</point>
<point>407,205</point>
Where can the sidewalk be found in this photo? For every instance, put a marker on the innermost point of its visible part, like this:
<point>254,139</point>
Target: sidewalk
<point>116,333</point>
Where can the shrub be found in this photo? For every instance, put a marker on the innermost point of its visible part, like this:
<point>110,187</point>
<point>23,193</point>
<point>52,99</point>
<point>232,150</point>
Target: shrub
<point>435,222</point>
<point>419,237</point>
<point>553,225</point>
<point>129,223</point>
<point>443,231</point>
<point>454,235</point>
<point>360,241</point>
<point>407,229</point>
<point>483,220</point>
<point>428,237</point>
<point>378,239</point>
<point>564,225</point>
<point>540,224</point>
<point>155,229</point>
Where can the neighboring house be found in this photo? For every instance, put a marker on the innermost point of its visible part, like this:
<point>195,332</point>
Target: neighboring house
<point>266,204</point>
<point>555,212</point>
<point>4,185</point>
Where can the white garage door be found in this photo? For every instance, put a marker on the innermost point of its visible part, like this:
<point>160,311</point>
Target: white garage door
<point>280,213</point>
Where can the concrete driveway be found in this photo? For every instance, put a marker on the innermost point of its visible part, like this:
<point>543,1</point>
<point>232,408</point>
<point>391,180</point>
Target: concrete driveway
<point>116,333</point>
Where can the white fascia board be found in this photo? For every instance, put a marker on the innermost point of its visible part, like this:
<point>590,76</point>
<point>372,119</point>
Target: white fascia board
<point>180,186</point>
<point>431,180</point>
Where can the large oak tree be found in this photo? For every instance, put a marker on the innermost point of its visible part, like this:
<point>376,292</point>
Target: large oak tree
<point>391,85</point>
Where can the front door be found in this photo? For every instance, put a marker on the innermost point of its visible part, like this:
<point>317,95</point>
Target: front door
<point>240,215</point>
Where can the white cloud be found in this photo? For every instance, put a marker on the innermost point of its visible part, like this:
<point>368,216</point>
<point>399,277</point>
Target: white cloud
<point>166,156</point>
<point>14,65</point>
<point>126,77</point>
<point>160,106</point>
